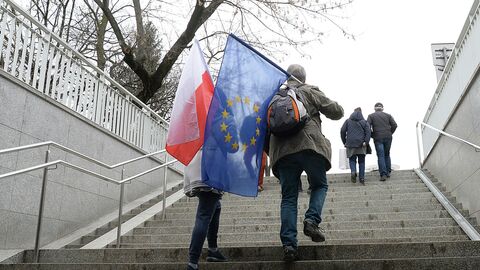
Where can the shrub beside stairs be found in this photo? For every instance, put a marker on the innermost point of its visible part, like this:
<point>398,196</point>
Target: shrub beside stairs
<point>397,224</point>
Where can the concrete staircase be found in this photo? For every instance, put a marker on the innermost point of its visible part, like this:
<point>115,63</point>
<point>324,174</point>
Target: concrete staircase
<point>396,224</point>
<point>114,223</point>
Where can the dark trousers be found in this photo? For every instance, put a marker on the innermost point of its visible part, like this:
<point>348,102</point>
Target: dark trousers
<point>289,169</point>
<point>382,146</point>
<point>206,224</point>
<point>361,165</point>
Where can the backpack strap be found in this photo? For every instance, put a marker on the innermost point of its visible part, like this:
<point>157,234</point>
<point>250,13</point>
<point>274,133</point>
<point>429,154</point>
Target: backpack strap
<point>283,91</point>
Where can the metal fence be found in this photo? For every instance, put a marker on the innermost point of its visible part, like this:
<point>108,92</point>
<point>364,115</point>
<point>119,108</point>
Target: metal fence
<point>36,56</point>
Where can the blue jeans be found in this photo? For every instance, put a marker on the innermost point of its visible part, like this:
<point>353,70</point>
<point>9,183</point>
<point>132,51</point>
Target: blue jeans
<point>206,224</point>
<point>361,165</point>
<point>289,170</point>
<point>382,146</point>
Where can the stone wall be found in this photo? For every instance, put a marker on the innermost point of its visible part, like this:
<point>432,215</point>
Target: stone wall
<point>73,199</point>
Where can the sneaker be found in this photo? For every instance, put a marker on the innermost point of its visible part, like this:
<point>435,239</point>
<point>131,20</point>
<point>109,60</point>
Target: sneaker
<point>383,178</point>
<point>388,175</point>
<point>313,231</point>
<point>216,256</point>
<point>362,181</point>
<point>353,177</point>
<point>290,254</point>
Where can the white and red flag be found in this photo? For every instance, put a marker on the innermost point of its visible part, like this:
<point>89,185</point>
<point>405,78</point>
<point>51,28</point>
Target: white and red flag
<point>190,108</point>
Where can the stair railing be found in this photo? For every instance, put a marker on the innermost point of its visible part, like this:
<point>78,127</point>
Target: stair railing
<point>48,164</point>
<point>469,230</point>
<point>421,156</point>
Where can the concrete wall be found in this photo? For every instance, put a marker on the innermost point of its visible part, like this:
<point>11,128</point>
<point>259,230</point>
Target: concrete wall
<point>456,164</point>
<point>73,199</point>
<point>455,108</point>
<point>456,79</point>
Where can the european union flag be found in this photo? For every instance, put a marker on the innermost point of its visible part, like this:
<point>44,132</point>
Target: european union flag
<point>236,122</point>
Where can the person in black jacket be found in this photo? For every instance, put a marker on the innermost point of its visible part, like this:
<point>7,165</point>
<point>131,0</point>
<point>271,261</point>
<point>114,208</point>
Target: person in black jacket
<point>355,135</point>
<point>383,126</point>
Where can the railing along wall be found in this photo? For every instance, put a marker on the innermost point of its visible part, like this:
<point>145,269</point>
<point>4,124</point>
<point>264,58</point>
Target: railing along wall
<point>36,56</point>
<point>49,164</point>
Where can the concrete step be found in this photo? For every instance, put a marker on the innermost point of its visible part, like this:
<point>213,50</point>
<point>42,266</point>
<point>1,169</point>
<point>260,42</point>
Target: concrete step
<point>348,182</point>
<point>346,176</point>
<point>465,263</point>
<point>267,253</point>
<point>303,242</point>
<point>424,198</point>
<point>273,235</point>
<point>302,195</point>
<point>304,205</point>
<point>114,223</point>
<point>359,187</point>
<point>277,200</point>
<point>326,211</point>
<point>275,226</point>
<point>329,218</point>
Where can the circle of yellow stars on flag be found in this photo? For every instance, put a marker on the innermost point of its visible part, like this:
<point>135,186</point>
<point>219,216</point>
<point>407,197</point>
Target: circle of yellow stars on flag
<point>228,138</point>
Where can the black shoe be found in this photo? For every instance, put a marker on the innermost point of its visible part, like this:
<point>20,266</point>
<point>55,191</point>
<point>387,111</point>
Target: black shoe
<point>362,181</point>
<point>216,256</point>
<point>313,231</point>
<point>290,254</point>
<point>353,177</point>
<point>189,267</point>
<point>383,178</point>
<point>388,175</point>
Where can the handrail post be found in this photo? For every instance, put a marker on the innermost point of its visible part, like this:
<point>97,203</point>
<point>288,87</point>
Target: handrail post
<point>164,214</point>
<point>419,144</point>
<point>120,208</point>
<point>41,207</point>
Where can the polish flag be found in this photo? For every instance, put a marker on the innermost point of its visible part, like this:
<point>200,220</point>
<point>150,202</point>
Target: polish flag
<point>190,108</point>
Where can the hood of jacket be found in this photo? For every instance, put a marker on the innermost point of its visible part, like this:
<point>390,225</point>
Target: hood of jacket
<point>356,116</point>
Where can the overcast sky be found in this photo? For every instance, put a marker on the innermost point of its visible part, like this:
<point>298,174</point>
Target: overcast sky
<point>390,61</point>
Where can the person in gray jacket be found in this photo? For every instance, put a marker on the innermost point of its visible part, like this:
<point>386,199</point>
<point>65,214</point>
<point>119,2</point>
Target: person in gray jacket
<point>383,126</point>
<point>309,151</point>
<point>355,135</point>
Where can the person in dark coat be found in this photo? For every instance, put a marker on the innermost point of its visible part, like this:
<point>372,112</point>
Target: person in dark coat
<point>355,134</point>
<point>383,126</point>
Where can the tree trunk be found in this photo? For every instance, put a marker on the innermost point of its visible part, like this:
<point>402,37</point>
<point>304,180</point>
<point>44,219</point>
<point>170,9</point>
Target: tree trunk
<point>140,52</point>
<point>101,30</point>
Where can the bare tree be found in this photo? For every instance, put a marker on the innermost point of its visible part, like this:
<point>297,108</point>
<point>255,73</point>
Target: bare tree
<point>288,23</point>
<point>57,15</point>
<point>119,41</point>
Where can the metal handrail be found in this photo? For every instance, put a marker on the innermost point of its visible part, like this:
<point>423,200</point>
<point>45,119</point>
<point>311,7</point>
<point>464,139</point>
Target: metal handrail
<point>68,150</point>
<point>469,230</point>
<point>420,141</point>
<point>48,164</point>
<point>454,213</point>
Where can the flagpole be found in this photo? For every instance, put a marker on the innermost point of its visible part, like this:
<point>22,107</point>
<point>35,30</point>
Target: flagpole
<point>295,78</point>
<point>259,54</point>
<point>265,58</point>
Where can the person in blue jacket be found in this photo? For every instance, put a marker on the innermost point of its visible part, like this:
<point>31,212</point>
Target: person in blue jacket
<point>355,134</point>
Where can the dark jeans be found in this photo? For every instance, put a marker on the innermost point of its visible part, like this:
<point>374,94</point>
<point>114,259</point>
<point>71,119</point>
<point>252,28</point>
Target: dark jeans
<point>289,170</point>
<point>382,146</point>
<point>361,165</point>
<point>206,224</point>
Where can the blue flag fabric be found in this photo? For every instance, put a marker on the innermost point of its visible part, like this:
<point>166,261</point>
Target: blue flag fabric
<point>236,122</point>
